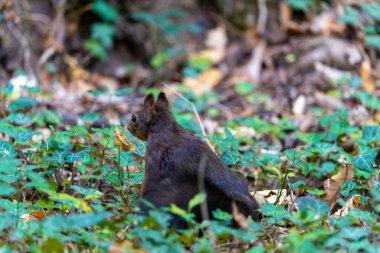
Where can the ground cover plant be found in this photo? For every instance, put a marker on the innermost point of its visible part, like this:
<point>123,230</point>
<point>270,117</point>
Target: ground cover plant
<point>299,118</point>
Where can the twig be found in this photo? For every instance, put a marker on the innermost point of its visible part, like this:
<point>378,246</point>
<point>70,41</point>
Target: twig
<point>263,16</point>
<point>195,111</point>
<point>256,61</point>
<point>24,45</point>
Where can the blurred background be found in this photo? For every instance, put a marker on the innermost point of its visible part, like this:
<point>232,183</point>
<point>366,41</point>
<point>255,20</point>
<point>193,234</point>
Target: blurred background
<point>286,91</point>
<point>92,60</point>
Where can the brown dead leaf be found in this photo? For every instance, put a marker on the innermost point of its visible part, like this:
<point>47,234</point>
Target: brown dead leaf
<point>125,246</point>
<point>76,71</point>
<point>122,141</point>
<point>270,196</point>
<point>365,74</point>
<point>36,215</point>
<point>332,186</point>
<point>350,204</point>
<point>205,81</point>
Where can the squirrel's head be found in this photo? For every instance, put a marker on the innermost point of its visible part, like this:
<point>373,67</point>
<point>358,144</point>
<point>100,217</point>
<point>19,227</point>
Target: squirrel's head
<point>140,122</point>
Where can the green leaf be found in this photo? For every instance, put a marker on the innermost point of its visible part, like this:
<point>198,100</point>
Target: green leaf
<point>52,117</point>
<point>371,134</point>
<point>96,49</point>
<point>301,5</point>
<point>244,88</point>
<point>18,119</point>
<point>73,157</point>
<point>365,161</point>
<point>57,157</point>
<point>24,134</point>
<point>6,190</point>
<point>8,178</point>
<point>367,99</point>
<point>88,193</point>
<point>373,40</point>
<point>319,207</point>
<point>22,103</point>
<point>372,9</point>
<point>7,151</point>
<point>199,63</point>
<point>275,214</point>
<point>106,11</point>
<point>8,129</point>
<point>9,166</point>
<point>7,220</point>
<point>181,212</point>
<point>123,92</point>
<point>350,16</point>
<point>103,33</point>
<point>220,215</point>
<point>197,200</point>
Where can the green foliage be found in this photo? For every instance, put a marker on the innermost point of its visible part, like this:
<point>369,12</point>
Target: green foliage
<point>86,190</point>
<point>102,33</point>
<point>302,5</point>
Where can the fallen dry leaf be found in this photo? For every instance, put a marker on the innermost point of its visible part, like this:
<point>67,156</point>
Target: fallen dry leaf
<point>205,81</point>
<point>270,196</point>
<point>36,215</point>
<point>217,38</point>
<point>122,141</point>
<point>332,186</point>
<point>365,74</point>
<point>350,204</point>
<point>125,246</point>
<point>299,105</point>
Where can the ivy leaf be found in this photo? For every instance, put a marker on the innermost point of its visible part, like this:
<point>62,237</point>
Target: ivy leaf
<point>301,5</point>
<point>22,103</point>
<point>181,212</point>
<point>275,214</point>
<point>6,190</point>
<point>197,200</point>
<point>220,215</point>
<point>57,157</point>
<point>24,135</point>
<point>371,134</point>
<point>319,207</point>
<point>88,193</point>
<point>365,160</point>
<point>372,9</point>
<point>19,119</point>
<point>106,11</point>
<point>373,40</point>
<point>244,88</point>
<point>73,157</point>
<point>7,151</point>
<point>103,33</point>
<point>7,220</point>
<point>96,49</point>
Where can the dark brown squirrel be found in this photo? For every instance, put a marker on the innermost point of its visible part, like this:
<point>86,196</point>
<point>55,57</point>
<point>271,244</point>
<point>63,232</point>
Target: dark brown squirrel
<point>174,160</point>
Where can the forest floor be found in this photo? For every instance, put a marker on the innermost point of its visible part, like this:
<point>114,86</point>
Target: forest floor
<point>291,101</point>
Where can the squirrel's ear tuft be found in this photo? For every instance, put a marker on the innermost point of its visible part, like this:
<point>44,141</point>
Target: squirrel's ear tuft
<point>162,101</point>
<point>149,101</point>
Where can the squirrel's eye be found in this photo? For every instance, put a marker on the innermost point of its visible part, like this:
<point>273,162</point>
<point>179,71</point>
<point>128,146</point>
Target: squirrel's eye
<point>134,118</point>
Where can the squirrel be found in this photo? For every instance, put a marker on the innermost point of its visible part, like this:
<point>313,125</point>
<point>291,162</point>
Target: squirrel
<point>174,161</point>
